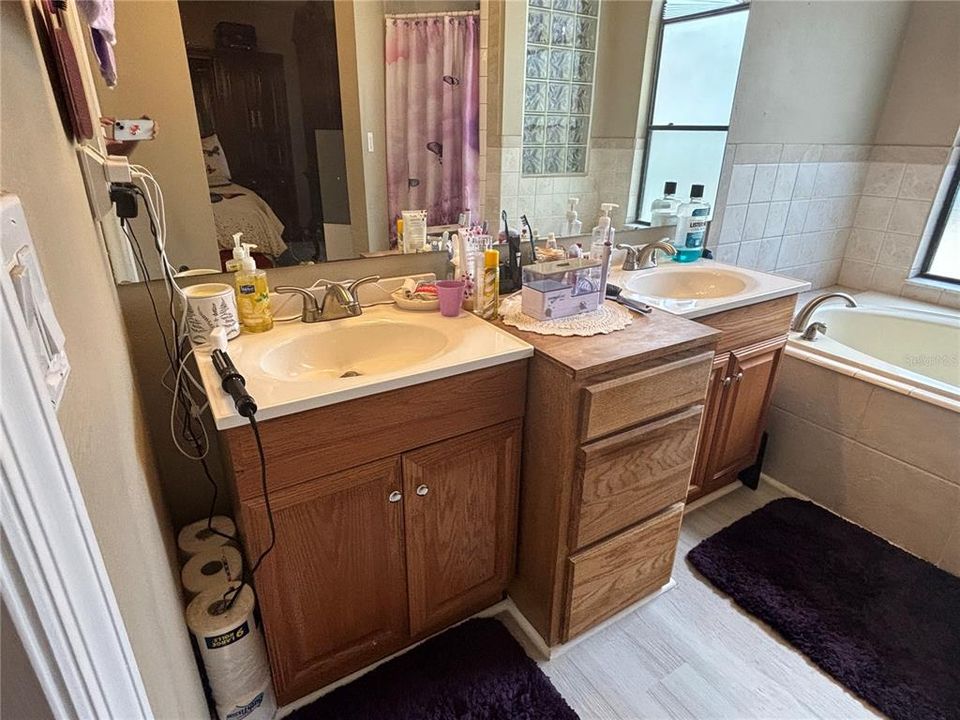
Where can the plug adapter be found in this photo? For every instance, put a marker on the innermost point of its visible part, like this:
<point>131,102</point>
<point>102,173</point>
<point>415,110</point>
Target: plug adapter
<point>122,195</point>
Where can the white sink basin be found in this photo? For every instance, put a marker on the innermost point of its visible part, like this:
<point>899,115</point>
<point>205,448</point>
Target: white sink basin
<point>704,287</point>
<point>297,366</point>
<point>689,283</point>
<point>372,348</point>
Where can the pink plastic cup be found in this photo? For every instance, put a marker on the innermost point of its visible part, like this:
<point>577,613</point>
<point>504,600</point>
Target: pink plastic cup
<point>450,294</point>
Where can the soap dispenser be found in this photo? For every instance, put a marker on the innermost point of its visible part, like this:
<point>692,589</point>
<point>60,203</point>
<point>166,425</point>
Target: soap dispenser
<point>603,233</point>
<point>253,294</point>
<point>238,254</point>
<point>572,224</point>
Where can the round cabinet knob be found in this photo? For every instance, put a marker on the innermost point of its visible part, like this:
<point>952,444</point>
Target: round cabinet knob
<point>422,490</point>
<point>395,496</point>
<point>740,376</point>
<point>726,381</point>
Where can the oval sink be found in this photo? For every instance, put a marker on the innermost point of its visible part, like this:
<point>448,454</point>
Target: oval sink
<point>688,283</point>
<point>372,348</point>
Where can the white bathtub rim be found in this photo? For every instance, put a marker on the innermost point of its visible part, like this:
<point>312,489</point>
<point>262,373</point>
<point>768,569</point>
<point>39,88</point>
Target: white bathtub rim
<point>869,369</point>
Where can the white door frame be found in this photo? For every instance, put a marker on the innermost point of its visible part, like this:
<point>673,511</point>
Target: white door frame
<point>54,582</point>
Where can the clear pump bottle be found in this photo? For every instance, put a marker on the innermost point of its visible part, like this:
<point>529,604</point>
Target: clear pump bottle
<point>571,224</point>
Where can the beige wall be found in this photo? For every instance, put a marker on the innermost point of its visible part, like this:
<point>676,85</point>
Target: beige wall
<point>815,72</point>
<point>20,693</point>
<point>923,104</point>
<point>100,416</point>
<point>153,80</point>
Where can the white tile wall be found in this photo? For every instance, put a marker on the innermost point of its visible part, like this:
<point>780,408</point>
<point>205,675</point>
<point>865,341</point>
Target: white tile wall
<point>612,165</point>
<point>827,213</point>
<point>787,209</point>
<point>894,211</point>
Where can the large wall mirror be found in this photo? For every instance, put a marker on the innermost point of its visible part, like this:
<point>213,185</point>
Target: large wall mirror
<point>309,125</point>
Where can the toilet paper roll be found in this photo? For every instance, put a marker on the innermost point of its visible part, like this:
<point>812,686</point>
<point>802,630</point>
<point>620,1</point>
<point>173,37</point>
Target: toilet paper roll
<point>196,537</point>
<point>260,706</point>
<point>232,649</point>
<point>211,568</point>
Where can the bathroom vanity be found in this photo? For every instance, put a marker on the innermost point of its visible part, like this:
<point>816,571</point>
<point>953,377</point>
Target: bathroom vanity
<point>395,510</point>
<point>623,429</point>
<point>611,430</point>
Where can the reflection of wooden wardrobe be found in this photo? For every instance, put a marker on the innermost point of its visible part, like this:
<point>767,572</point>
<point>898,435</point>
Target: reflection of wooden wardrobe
<point>242,96</point>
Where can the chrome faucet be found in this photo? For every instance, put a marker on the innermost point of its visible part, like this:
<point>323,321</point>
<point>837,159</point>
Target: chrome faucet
<point>644,257</point>
<point>647,255</point>
<point>802,318</point>
<point>813,331</point>
<point>338,301</point>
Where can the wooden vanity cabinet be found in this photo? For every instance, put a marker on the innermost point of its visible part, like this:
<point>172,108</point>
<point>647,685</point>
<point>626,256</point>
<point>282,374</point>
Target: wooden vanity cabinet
<point>739,391</point>
<point>402,539</point>
<point>610,434</point>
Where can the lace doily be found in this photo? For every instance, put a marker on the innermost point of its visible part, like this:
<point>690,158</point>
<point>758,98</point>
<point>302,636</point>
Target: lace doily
<point>606,319</point>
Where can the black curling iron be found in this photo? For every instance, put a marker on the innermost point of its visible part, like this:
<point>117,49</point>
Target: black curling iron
<point>233,383</point>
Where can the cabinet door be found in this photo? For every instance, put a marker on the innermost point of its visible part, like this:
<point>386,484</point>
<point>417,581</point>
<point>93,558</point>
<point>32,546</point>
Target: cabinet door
<point>752,372</point>
<point>716,390</point>
<point>460,508</point>
<point>333,592</point>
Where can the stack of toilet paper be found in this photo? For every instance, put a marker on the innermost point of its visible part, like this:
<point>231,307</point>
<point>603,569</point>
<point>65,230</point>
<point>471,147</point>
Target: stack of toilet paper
<point>233,653</point>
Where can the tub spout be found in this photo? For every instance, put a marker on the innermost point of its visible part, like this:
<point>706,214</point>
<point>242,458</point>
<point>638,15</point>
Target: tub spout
<point>814,330</point>
<point>802,318</point>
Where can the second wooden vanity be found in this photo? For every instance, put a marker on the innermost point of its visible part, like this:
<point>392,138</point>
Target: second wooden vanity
<point>395,516</point>
<point>611,430</point>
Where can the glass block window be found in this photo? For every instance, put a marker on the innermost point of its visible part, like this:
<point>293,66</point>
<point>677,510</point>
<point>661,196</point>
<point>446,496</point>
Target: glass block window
<point>558,85</point>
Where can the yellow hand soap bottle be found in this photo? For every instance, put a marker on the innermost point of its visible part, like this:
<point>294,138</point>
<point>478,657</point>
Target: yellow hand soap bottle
<point>253,295</point>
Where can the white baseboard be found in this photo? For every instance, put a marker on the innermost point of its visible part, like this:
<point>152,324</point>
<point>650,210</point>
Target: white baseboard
<point>549,653</point>
<point>715,495</point>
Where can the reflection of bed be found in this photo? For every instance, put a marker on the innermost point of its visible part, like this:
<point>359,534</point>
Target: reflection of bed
<point>239,209</point>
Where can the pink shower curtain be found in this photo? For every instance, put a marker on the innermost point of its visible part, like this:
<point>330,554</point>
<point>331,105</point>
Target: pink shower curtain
<point>433,116</point>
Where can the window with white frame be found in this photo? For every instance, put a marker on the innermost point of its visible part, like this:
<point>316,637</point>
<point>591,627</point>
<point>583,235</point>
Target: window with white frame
<point>697,63</point>
<point>942,261</point>
<point>561,53</point>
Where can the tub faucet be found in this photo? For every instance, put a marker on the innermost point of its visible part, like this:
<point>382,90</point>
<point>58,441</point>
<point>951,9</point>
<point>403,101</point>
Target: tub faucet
<point>801,319</point>
<point>814,330</point>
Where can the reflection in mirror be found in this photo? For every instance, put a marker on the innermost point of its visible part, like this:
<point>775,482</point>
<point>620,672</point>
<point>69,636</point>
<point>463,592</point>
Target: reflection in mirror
<point>272,120</point>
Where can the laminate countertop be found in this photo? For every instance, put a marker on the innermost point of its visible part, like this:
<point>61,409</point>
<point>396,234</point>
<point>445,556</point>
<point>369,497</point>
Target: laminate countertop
<point>647,338</point>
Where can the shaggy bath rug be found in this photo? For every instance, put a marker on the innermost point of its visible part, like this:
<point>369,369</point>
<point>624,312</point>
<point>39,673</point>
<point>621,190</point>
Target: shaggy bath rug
<point>882,622</point>
<point>475,671</point>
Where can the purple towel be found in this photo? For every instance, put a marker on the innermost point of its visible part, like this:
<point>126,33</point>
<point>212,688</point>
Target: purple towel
<point>99,16</point>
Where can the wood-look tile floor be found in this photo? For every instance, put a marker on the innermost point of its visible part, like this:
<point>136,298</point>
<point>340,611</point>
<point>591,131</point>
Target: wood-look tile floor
<point>692,653</point>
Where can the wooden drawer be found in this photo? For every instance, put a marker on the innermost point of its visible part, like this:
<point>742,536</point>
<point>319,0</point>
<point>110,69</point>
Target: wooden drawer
<point>630,399</point>
<point>608,577</point>
<point>627,477</point>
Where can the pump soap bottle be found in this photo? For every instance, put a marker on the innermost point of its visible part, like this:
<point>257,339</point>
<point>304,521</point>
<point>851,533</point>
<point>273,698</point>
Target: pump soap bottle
<point>572,225</point>
<point>253,295</point>
<point>603,233</point>
<point>691,231</point>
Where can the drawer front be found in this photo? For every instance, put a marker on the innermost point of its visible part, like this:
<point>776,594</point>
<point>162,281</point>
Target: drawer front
<point>611,576</point>
<point>624,401</point>
<point>633,475</point>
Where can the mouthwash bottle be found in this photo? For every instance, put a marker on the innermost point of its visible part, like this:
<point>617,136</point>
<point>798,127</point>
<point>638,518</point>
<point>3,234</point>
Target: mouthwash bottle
<point>691,227</point>
<point>663,210</point>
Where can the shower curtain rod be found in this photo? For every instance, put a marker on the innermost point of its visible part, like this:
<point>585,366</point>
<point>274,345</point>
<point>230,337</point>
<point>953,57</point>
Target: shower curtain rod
<point>404,16</point>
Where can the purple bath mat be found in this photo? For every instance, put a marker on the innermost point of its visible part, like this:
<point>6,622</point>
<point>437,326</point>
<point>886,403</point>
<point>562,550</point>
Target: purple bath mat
<point>882,622</point>
<point>476,671</point>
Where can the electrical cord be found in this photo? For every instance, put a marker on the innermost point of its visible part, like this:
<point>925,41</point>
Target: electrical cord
<point>177,360</point>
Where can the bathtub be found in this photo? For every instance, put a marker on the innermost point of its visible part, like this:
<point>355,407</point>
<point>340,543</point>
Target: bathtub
<point>918,349</point>
<point>865,421</point>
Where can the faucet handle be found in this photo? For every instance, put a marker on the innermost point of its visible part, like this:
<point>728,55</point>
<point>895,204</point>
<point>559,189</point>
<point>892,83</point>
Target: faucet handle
<point>352,287</point>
